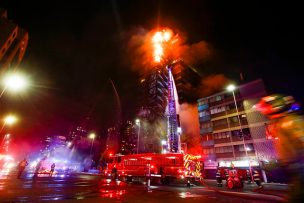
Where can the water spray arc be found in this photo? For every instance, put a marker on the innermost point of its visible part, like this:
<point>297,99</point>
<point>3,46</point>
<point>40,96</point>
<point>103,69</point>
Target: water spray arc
<point>173,136</point>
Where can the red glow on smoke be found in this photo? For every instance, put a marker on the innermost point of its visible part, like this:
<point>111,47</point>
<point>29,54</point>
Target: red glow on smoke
<point>146,49</point>
<point>190,127</point>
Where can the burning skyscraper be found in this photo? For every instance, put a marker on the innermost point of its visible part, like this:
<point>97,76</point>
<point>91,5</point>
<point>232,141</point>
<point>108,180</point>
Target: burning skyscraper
<point>160,101</point>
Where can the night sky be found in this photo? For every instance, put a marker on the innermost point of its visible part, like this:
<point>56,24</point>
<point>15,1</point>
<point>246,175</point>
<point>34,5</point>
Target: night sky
<point>75,48</point>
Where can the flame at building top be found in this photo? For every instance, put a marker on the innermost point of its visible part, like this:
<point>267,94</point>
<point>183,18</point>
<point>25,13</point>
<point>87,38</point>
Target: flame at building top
<point>160,40</point>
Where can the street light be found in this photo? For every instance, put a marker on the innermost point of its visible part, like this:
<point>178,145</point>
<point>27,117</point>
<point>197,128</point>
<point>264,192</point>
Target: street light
<point>92,136</point>
<point>14,82</point>
<point>8,120</point>
<point>137,122</point>
<point>231,88</point>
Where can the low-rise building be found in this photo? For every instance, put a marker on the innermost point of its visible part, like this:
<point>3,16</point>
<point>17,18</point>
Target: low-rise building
<point>233,135</point>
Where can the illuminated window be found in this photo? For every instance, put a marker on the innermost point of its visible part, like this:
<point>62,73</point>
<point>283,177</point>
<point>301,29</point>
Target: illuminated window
<point>218,98</point>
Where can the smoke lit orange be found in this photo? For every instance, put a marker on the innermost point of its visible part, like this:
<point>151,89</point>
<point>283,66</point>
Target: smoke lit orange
<point>145,49</point>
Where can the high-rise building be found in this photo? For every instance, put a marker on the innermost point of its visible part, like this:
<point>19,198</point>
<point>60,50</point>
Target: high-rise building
<point>80,130</point>
<point>13,42</point>
<point>77,133</point>
<point>186,79</point>
<point>155,112</point>
<point>128,138</point>
<point>153,97</point>
<point>228,138</point>
<point>52,143</point>
<point>113,140</point>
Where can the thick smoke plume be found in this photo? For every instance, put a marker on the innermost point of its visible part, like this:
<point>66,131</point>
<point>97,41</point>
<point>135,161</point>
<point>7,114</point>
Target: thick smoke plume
<point>140,50</point>
<point>212,84</point>
<point>190,128</point>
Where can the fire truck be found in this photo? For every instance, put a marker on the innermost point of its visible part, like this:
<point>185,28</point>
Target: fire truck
<point>164,167</point>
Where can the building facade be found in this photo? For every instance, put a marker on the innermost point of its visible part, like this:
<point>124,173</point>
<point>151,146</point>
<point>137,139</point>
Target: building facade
<point>129,133</point>
<point>233,135</point>
<point>113,140</point>
<point>157,120</point>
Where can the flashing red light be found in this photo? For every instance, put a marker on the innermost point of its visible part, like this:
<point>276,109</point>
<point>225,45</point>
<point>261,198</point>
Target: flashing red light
<point>110,154</point>
<point>276,138</point>
<point>152,166</point>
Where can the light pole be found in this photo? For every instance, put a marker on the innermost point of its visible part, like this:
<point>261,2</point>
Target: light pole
<point>92,136</point>
<point>8,120</point>
<point>137,122</point>
<point>231,88</point>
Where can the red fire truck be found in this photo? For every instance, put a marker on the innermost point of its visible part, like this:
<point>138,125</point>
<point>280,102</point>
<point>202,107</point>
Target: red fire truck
<point>166,167</point>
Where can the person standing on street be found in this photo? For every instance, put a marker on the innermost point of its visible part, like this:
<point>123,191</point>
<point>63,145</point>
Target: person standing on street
<point>38,166</point>
<point>219,178</point>
<point>21,167</point>
<point>257,179</point>
<point>52,169</point>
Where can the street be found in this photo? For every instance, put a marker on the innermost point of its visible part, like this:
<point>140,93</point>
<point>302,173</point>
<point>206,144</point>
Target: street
<point>92,188</point>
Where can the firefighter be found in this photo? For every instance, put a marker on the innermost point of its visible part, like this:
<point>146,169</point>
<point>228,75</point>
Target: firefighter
<point>219,178</point>
<point>188,183</point>
<point>257,178</point>
<point>161,173</point>
<point>37,169</point>
<point>287,129</point>
<point>21,167</point>
<point>52,169</point>
<point>223,174</point>
<point>114,173</point>
<point>248,176</point>
<point>226,174</point>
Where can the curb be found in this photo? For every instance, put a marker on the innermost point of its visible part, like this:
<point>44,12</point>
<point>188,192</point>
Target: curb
<point>257,196</point>
<point>253,196</point>
<point>93,174</point>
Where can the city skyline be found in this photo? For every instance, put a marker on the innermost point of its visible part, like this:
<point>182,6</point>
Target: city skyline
<point>72,57</point>
<point>151,101</point>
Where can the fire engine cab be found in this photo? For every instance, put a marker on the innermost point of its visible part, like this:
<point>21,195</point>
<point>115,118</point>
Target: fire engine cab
<point>166,167</point>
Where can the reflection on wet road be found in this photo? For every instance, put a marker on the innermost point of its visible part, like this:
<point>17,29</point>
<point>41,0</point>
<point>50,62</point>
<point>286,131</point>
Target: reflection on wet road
<point>90,188</point>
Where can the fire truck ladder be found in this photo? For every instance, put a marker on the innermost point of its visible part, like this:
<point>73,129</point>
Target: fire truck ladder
<point>173,139</point>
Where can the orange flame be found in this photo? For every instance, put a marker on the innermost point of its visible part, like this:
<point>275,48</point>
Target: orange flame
<point>145,49</point>
<point>159,41</point>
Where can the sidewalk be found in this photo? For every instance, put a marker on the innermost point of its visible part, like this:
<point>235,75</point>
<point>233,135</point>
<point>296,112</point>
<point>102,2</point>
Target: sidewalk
<point>270,191</point>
